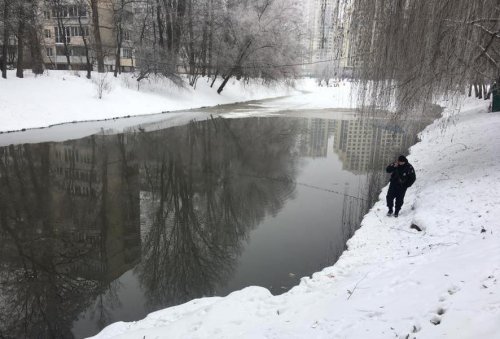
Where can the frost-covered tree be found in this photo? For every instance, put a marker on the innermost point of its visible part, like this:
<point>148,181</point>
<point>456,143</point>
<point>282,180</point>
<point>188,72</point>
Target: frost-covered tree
<point>218,38</point>
<point>160,29</point>
<point>262,39</point>
<point>410,52</point>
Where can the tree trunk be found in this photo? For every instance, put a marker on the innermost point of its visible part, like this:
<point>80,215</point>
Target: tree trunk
<point>20,44</point>
<point>235,67</point>
<point>118,50</point>
<point>160,24</point>
<point>476,91</point>
<point>36,51</point>
<point>191,51</point>
<point>119,38</point>
<point>117,59</point>
<point>34,39</point>
<point>224,83</point>
<point>5,39</point>
<point>215,78</point>
<point>97,36</point>
<point>85,44</point>
<point>210,39</point>
<point>176,41</point>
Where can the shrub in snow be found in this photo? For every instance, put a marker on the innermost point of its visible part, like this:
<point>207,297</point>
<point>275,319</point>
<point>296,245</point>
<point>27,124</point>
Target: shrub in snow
<point>128,82</point>
<point>102,84</point>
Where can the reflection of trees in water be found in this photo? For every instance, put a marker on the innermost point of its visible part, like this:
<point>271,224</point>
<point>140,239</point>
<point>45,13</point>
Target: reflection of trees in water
<point>54,229</point>
<point>208,192</point>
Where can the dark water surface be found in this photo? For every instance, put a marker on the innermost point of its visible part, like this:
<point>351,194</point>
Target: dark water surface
<point>112,227</point>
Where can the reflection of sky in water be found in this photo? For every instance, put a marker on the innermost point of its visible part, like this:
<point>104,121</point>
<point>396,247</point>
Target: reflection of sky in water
<point>304,236</point>
<point>214,206</point>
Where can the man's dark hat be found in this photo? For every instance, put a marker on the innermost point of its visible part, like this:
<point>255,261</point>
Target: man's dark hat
<point>402,158</point>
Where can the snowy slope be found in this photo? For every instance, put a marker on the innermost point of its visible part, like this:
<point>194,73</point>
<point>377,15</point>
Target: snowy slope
<point>393,281</point>
<point>62,96</point>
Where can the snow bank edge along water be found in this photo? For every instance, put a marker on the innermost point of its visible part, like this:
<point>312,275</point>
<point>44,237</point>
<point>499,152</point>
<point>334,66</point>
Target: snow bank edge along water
<point>393,281</point>
<point>62,96</point>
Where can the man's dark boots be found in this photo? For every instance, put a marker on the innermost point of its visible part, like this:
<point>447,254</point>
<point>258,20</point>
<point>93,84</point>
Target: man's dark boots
<point>396,214</point>
<point>390,212</point>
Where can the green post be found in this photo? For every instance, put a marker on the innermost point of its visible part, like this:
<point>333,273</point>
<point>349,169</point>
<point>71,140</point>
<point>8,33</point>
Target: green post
<point>495,93</point>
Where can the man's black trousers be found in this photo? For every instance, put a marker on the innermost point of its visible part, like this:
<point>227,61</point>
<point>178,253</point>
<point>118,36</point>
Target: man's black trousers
<point>398,193</point>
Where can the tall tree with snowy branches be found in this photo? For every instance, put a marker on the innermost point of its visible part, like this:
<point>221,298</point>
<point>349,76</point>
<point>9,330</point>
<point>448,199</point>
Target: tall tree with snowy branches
<point>411,52</point>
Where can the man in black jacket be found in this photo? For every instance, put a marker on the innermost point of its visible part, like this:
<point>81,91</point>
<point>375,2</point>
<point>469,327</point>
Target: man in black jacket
<point>402,177</point>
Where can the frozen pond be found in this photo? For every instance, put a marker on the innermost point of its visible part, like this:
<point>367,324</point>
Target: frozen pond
<point>113,227</point>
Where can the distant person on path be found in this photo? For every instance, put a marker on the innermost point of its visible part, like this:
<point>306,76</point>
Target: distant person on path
<point>402,177</point>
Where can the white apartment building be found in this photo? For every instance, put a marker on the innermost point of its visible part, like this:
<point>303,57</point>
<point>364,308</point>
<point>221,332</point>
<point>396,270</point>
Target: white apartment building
<point>328,41</point>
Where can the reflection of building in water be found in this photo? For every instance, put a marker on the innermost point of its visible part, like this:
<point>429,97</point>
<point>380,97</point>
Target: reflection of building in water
<point>69,227</point>
<point>96,200</point>
<point>367,144</point>
<point>313,141</point>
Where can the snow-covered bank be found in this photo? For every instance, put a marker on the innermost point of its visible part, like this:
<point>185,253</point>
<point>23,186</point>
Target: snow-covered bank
<point>31,112</point>
<point>393,281</point>
<point>61,96</point>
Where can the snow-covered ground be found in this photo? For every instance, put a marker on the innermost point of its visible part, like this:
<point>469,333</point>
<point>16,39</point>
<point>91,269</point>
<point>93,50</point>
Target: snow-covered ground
<point>393,281</point>
<point>62,96</point>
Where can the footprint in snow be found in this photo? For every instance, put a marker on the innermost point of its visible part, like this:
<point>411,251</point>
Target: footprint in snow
<point>440,311</point>
<point>435,320</point>
<point>453,289</point>
<point>489,282</point>
<point>415,329</point>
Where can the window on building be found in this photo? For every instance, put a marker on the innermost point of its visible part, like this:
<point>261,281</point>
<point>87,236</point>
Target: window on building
<point>84,31</point>
<point>83,11</point>
<point>127,53</point>
<point>60,12</point>
<point>60,50</point>
<point>47,33</point>
<point>74,31</point>
<point>126,35</point>
<point>68,12</point>
<point>78,51</point>
<point>49,51</point>
<point>46,14</point>
<point>70,31</point>
<point>62,34</point>
<point>72,11</point>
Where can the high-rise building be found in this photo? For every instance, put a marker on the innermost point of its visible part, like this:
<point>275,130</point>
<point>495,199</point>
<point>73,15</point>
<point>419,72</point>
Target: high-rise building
<point>328,41</point>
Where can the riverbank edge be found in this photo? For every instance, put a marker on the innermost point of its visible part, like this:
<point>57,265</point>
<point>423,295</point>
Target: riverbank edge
<point>393,280</point>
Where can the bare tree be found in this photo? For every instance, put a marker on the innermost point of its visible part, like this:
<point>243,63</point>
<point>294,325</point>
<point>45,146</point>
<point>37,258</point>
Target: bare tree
<point>118,16</point>
<point>59,10</point>
<point>21,21</point>
<point>6,36</point>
